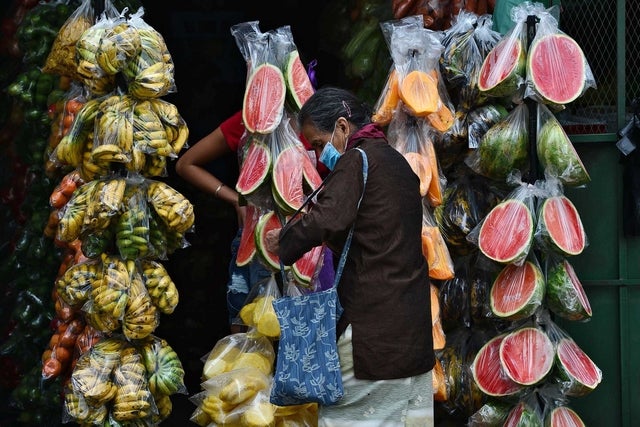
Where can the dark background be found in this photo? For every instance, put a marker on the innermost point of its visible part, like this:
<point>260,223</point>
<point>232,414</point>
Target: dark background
<point>210,75</point>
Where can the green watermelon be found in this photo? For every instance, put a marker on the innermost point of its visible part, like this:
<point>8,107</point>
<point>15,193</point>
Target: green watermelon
<point>299,87</point>
<point>503,69</point>
<point>506,232</point>
<point>263,103</point>
<point>527,355</point>
<point>488,373</point>
<point>492,414</point>
<point>558,156</point>
<point>560,226</point>
<point>523,415</point>
<point>563,416</point>
<point>577,374</point>
<point>556,67</point>
<point>255,168</point>
<point>517,291</point>
<point>267,221</point>
<point>247,246</point>
<point>565,295</point>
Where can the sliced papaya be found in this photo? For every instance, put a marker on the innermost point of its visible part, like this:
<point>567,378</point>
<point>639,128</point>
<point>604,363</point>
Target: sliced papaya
<point>421,166</point>
<point>442,119</point>
<point>389,100</point>
<point>419,92</point>
<point>434,194</point>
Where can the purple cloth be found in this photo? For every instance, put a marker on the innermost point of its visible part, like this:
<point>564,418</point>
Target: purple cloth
<point>326,275</point>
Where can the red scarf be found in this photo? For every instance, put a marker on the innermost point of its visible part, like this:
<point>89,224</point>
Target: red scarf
<point>370,130</point>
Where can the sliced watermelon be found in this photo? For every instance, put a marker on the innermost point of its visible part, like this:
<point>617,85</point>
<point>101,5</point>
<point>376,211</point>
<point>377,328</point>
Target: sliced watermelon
<point>267,221</point>
<point>263,103</point>
<point>286,182</point>
<point>312,178</point>
<point>523,415</point>
<point>527,355</point>
<point>565,295</point>
<point>506,232</point>
<point>517,291</point>
<point>305,267</point>
<point>556,67</point>
<point>558,156</point>
<point>247,247</point>
<point>503,68</point>
<point>560,226</point>
<point>576,372</point>
<point>488,372</point>
<point>299,86</point>
<point>255,168</point>
<point>563,416</point>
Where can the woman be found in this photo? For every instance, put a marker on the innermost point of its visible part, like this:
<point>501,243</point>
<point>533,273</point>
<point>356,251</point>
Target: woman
<point>385,342</point>
<point>192,167</point>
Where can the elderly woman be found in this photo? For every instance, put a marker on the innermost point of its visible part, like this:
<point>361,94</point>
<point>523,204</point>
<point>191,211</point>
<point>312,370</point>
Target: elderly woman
<point>385,340</point>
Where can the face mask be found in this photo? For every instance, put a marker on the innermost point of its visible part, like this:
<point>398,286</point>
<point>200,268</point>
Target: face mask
<point>330,154</point>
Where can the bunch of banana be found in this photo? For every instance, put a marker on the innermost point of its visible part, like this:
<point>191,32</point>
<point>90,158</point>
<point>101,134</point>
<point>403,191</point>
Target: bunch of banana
<point>100,86</point>
<point>96,242</point>
<point>76,407</point>
<point>99,320</point>
<point>164,368</point>
<point>118,45</point>
<point>152,82</point>
<point>104,202</point>
<point>155,166</point>
<point>138,160</point>
<point>141,316</point>
<point>88,168</point>
<point>175,210</point>
<point>175,126</point>
<point>162,289</point>
<point>86,48</point>
<point>114,130</point>
<point>158,242</point>
<point>164,407</point>
<point>132,399</point>
<point>153,49</point>
<point>74,286</point>
<point>110,295</point>
<point>149,134</point>
<point>132,228</point>
<point>71,147</point>
<point>72,215</point>
<point>92,376</point>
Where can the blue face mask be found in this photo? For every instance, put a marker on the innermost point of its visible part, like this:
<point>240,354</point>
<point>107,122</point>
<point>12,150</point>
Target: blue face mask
<point>330,154</point>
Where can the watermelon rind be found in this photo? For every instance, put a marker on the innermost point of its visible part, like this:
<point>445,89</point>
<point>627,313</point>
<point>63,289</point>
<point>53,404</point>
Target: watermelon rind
<point>503,148</point>
<point>561,230</point>
<point>527,355</point>
<point>565,295</point>
<point>506,232</point>
<point>488,373</point>
<point>521,415</point>
<point>549,68</point>
<point>492,414</point>
<point>299,86</point>
<point>255,168</point>
<point>268,221</point>
<point>577,374</point>
<point>563,416</point>
<point>263,102</point>
<point>504,81</point>
<point>521,288</point>
<point>558,156</point>
<point>304,268</point>
<point>247,246</point>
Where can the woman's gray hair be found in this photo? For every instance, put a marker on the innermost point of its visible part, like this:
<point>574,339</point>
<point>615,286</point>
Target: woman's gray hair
<point>328,104</point>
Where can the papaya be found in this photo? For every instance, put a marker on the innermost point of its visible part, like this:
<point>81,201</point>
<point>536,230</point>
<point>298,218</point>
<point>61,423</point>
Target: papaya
<point>442,119</point>
<point>419,92</point>
<point>388,101</point>
<point>434,194</point>
<point>439,339</point>
<point>437,254</point>
<point>421,166</point>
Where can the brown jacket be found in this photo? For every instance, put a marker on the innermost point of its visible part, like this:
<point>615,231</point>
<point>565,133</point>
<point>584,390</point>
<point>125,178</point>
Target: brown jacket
<point>384,288</point>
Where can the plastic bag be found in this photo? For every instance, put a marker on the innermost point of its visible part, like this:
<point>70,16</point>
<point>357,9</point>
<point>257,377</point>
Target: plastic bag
<point>565,295</point>
<point>257,313</point>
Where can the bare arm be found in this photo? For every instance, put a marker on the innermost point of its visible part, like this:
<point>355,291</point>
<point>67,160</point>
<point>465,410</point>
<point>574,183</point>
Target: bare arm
<point>191,166</point>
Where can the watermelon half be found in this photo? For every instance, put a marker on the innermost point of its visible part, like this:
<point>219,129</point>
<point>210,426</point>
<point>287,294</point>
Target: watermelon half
<point>267,221</point>
<point>247,246</point>
<point>502,70</point>
<point>286,180</point>
<point>305,267</point>
<point>576,372</point>
<point>517,291</point>
<point>506,232</point>
<point>527,355</point>
<point>255,168</point>
<point>558,156</point>
<point>560,226</point>
<point>488,372</point>
<point>565,295</point>
<point>523,415</point>
<point>563,416</point>
<point>299,86</point>
<point>556,67</point>
<point>263,103</point>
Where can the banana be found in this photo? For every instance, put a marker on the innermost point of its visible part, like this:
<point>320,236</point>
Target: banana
<point>108,153</point>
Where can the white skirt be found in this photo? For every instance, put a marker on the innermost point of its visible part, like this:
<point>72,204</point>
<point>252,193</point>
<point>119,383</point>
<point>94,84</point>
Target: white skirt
<point>404,402</point>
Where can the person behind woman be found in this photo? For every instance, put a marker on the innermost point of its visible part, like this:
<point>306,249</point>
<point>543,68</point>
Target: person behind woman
<point>192,167</point>
<point>385,339</point>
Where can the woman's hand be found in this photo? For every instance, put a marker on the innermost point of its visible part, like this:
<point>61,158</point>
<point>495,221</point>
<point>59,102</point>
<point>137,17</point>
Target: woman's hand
<point>272,240</point>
